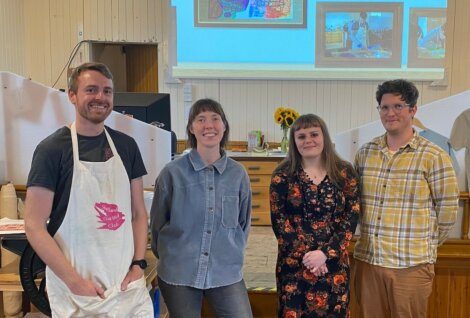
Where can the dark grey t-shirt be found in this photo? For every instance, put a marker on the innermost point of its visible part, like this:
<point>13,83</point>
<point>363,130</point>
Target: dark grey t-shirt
<point>52,165</point>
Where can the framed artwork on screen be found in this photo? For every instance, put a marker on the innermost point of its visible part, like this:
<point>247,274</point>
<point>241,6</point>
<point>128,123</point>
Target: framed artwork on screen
<point>427,37</point>
<point>353,34</point>
<point>250,13</point>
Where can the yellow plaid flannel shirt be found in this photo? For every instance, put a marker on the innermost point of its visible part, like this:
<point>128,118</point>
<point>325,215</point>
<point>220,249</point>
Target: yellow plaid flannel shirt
<point>409,202</point>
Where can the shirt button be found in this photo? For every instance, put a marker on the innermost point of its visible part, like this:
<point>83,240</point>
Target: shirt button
<point>385,185</point>
<point>376,234</point>
<point>211,188</point>
<point>209,232</point>
<point>206,254</point>
<point>379,218</point>
<point>388,170</point>
<point>211,210</point>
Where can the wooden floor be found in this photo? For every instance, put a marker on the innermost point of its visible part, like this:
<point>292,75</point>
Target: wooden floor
<point>258,272</point>
<point>451,289</point>
<point>260,259</point>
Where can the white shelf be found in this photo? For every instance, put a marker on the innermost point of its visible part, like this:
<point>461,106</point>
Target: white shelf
<point>300,72</point>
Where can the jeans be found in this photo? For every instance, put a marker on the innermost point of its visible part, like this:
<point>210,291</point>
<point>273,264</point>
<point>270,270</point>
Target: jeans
<point>226,301</point>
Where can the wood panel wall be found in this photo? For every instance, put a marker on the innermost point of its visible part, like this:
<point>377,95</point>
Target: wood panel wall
<point>250,104</point>
<point>53,28</point>
<point>460,57</point>
<point>42,34</point>
<point>11,36</point>
<point>142,68</point>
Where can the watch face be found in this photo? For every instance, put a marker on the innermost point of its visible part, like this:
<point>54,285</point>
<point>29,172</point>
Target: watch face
<point>141,263</point>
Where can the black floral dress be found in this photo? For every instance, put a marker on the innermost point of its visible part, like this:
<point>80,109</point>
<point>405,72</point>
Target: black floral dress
<point>306,217</point>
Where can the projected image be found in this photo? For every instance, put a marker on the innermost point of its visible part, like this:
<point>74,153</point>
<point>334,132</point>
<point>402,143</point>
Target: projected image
<point>250,13</point>
<point>359,35</point>
<point>362,35</point>
<point>427,37</point>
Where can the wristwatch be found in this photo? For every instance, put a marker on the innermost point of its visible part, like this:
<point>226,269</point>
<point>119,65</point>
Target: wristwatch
<point>140,262</point>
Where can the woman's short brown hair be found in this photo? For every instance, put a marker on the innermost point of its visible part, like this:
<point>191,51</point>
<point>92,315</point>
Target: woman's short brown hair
<point>330,159</point>
<point>203,105</point>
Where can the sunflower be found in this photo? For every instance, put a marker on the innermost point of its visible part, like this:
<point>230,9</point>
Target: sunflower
<point>278,117</point>
<point>285,117</point>
<point>289,120</point>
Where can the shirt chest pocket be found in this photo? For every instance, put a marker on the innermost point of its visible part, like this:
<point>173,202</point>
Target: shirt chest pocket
<point>230,211</point>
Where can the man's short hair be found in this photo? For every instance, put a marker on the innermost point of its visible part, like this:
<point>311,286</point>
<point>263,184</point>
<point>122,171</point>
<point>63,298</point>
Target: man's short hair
<point>90,66</point>
<point>408,91</point>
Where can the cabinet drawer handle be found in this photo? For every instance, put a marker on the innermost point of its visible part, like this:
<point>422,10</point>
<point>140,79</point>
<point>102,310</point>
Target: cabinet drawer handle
<point>255,206</point>
<point>255,179</point>
<point>256,193</point>
<point>255,219</point>
<point>254,168</point>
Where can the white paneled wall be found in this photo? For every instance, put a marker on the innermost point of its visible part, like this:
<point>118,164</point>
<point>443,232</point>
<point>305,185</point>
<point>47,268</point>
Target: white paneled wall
<point>11,36</point>
<point>250,104</point>
<point>37,37</point>
<point>52,29</point>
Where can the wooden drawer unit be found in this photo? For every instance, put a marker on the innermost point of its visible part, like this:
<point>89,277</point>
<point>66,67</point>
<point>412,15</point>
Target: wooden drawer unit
<point>260,205</point>
<point>259,167</point>
<point>261,218</point>
<point>260,192</point>
<point>259,180</point>
<point>260,170</point>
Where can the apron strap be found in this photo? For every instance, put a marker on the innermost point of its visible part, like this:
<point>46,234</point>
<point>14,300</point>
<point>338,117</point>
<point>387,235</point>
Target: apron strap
<point>73,133</point>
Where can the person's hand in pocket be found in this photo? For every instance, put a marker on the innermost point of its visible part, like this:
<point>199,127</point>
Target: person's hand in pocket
<point>132,275</point>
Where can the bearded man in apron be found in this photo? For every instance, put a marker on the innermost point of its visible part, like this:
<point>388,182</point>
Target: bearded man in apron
<point>88,177</point>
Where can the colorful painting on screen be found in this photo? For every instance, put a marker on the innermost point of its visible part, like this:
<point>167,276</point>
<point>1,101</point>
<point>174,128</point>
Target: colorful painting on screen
<point>250,13</point>
<point>350,35</point>
<point>427,37</point>
<point>359,34</point>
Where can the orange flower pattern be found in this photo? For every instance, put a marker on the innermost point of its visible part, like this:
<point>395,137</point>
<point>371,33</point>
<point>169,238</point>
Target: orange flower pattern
<point>307,217</point>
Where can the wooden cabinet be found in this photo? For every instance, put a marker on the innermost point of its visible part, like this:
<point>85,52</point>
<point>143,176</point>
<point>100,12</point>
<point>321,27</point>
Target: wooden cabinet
<point>259,170</point>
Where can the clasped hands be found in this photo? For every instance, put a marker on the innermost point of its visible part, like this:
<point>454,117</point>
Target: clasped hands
<point>315,262</point>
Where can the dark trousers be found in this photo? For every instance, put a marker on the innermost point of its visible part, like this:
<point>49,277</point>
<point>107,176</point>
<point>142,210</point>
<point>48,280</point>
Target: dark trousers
<point>226,301</point>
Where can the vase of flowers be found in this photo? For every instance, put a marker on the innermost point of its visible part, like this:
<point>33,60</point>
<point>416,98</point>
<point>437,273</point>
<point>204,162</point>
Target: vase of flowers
<point>285,117</point>
<point>284,141</point>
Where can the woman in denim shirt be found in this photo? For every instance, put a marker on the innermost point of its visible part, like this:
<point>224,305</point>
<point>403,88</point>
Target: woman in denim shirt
<point>200,219</point>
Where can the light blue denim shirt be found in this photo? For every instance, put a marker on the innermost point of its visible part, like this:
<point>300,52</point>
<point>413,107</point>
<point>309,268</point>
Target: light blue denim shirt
<point>200,219</point>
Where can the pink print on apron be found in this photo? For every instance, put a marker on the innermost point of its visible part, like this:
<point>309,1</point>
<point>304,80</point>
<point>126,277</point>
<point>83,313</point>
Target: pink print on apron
<point>109,215</point>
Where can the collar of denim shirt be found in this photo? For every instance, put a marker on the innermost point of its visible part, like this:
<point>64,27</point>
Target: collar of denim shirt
<point>198,164</point>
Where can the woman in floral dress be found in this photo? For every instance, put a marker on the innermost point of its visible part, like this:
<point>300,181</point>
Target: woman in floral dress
<point>314,211</point>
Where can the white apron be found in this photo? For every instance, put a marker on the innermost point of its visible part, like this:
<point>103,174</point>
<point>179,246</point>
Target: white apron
<point>96,237</point>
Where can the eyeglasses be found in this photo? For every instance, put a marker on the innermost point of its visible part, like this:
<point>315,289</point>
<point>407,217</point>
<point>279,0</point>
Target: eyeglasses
<point>397,108</point>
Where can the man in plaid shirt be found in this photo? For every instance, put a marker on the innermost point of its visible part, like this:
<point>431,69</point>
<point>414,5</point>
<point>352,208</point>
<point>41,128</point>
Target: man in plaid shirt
<point>409,204</point>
